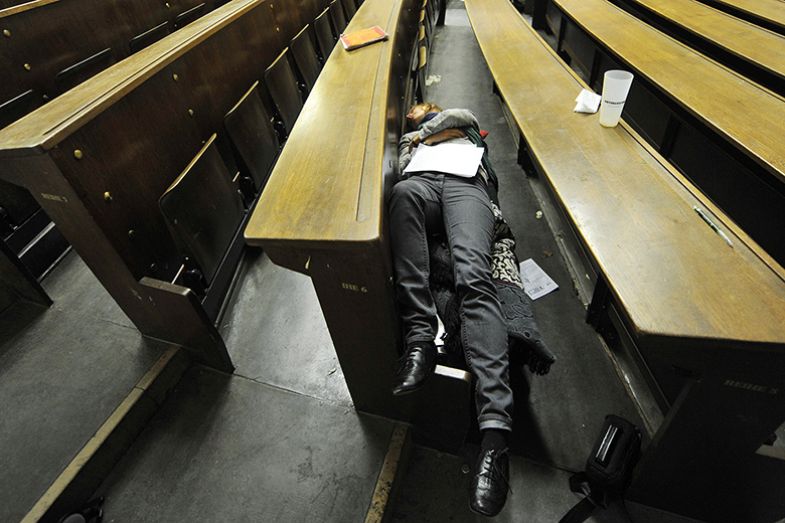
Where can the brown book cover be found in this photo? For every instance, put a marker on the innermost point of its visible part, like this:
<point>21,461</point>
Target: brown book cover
<point>363,37</point>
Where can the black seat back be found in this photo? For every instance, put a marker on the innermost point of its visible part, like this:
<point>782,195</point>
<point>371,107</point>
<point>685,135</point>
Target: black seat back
<point>305,58</point>
<point>77,73</point>
<point>282,85</point>
<point>325,38</point>
<point>251,132</point>
<point>349,8</point>
<point>203,209</point>
<point>148,37</point>
<point>337,17</point>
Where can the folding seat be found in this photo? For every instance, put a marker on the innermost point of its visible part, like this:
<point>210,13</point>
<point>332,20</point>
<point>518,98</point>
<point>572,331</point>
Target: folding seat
<point>305,58</point>
<point>186,17</point>
<point>284,91</point>
<point>77,73</point>
<point>337,17</point>
<point>203,210</point>
<point>252,136</point>
<point>325,37</point>
<point>146,38</point>
<point>349,9</point>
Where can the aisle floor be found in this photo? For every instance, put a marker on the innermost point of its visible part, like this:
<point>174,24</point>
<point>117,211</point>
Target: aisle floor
<point>557,416</point>
<point>63,371</point>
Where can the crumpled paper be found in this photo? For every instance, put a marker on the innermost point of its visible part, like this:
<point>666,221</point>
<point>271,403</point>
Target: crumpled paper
<point>587,102</point>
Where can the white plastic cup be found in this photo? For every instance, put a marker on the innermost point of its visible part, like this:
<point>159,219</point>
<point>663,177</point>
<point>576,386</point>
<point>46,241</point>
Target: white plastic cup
<point>615,87</point>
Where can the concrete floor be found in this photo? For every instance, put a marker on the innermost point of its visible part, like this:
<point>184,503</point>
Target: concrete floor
<point>63,370</point>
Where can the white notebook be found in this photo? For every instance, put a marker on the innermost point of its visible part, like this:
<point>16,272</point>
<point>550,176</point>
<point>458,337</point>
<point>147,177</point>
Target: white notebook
<point>452,158</point>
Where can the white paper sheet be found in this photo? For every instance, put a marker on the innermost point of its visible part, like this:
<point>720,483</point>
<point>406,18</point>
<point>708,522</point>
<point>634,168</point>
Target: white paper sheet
<point>587,102</point>
<point>535,282</point>
<point>453,158</point>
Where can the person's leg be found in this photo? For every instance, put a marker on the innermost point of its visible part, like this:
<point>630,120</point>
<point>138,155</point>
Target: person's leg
<point>469,222</point>
<point>415,211</point>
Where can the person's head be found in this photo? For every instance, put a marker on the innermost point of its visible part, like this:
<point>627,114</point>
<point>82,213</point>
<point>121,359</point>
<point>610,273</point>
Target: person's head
<point>417,112</point>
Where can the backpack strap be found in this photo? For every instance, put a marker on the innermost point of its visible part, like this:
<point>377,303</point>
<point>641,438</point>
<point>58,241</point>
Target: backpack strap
<point>579,483</point>
<point>580,512</point>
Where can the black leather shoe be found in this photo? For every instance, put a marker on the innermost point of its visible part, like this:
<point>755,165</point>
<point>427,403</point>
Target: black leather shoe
<point>415,366</point>
<point>490,483</point>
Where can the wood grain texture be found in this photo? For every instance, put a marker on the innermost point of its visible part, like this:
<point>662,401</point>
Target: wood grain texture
<point>674,277</point>
<point>749,42</point>
<point>326,186</point>
<point>42,39</point>
<point>745,114</point>
<point>771,10</point>
<point>44,128</point>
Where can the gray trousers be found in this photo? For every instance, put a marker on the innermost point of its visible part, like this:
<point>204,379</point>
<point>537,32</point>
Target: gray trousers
<point>429,204</point>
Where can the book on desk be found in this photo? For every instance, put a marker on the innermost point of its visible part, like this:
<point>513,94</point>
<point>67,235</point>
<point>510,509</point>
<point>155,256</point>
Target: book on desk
<point>363,37</point>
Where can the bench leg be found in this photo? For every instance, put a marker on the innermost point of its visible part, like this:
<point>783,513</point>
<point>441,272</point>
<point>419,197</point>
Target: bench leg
<point>160,310</point>
<point>442,13</point>
<point>597,313</point>
<point>524,159</point>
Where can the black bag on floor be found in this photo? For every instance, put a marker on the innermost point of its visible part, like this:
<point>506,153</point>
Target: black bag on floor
<point>608,469</point>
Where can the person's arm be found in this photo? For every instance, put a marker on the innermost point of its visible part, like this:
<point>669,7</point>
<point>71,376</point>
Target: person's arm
<point>448,119</point>
<point>405,150</point>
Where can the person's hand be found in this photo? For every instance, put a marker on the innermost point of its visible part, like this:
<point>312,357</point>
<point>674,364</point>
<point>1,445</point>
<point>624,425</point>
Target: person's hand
<point>415,142</point>
<point>443,136</point>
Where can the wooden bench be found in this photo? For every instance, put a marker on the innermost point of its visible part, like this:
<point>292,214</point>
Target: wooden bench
<point>695,112</point>
<point>705,320</point>
<point>757,53</point>
<point>45,49</point>
<point>100,158</point>
<point>765,13</point>
<point>323,214</point>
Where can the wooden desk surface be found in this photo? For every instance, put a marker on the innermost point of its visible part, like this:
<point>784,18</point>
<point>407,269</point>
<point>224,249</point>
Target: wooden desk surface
<point>20,8</point>
<point>670,272</point>
<point>44,128</point>
<point>326,187</point>
<point>745,114</point>
<point>744,39</point>
<point>770,10</point>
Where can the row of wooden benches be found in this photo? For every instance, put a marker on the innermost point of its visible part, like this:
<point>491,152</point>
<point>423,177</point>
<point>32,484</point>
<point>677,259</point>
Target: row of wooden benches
<point>720,128</point>
<point>119,140</point>
<point>101,156</point>
<point>48,47</point>
<point>704,320</point>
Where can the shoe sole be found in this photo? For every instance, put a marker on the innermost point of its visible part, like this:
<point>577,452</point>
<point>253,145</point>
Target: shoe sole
<point>416,387</point>
<point>486,514</point>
